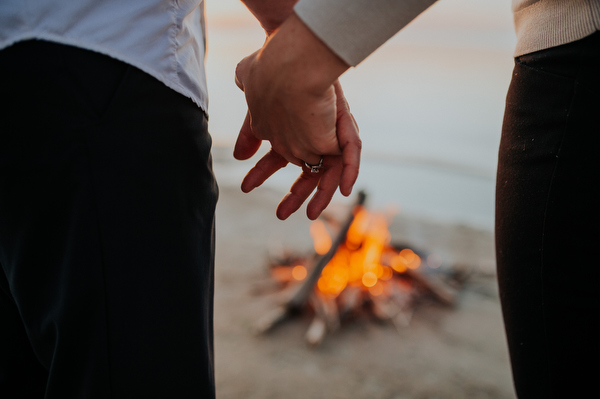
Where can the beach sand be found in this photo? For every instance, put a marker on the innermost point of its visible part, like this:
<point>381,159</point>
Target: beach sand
<point>444,353</point>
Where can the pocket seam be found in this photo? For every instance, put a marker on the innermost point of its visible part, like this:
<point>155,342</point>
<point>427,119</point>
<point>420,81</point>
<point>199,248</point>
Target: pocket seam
<point>519,61</point>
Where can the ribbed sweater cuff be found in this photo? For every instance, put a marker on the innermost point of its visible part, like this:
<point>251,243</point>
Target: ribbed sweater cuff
<point>354,29</point>
<point>550,23</point>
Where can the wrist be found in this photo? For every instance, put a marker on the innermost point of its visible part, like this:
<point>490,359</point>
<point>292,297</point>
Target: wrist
<point>300,59</point>
<point>270,13</point>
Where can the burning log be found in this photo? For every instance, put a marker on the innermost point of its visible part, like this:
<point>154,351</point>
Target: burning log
<point>301,292</point>
<point>299,299</point>
<point>349,300</point>
<point>359,269</point>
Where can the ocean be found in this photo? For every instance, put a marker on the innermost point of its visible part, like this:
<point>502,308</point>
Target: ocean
<point>429,105</point>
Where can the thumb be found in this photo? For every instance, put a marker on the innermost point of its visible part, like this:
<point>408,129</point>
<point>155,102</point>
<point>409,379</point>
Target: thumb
<point>243,69</point>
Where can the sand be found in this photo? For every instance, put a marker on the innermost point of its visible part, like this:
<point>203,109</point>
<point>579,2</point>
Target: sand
<point>443,353</point>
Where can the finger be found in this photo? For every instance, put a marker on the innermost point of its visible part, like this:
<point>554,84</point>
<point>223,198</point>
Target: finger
<point>246,144</point>
<point>349,140</point>
<point>299,192</point>
<point>288,155</point>
<point>312,159</point>
<point>351,148</point>
<point>239,74</point>
<point>326,189</point>
<point>270,163</point>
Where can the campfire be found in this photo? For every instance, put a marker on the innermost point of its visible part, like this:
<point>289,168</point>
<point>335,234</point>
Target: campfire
<point>361,269</point>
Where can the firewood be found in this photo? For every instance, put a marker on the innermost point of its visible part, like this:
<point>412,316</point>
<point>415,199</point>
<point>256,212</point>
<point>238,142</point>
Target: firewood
<point>300,292</point>
<point>316,331</point>
<point>435,286</point>
<point>304,290</point>
<point>326,307</point>
<point>326,318</point>
<point>383,308</point>
<point>401,291</point>
<point>393,298</point>
<point>350,299</point>
<point>270,320</point>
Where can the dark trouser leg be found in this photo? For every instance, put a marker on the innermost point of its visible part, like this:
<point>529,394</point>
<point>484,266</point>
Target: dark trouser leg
<point>107,204</point>
<point>548,221</point>
<point>21,374</point>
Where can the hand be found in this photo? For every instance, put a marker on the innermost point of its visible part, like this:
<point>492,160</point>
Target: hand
<point>296,103</point>
<point>338,170</point>
<point>299,122</point>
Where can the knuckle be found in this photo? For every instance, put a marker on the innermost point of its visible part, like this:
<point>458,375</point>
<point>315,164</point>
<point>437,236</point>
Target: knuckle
<point>302,155</point>
<point>281,156</point>
<point>358,144</point>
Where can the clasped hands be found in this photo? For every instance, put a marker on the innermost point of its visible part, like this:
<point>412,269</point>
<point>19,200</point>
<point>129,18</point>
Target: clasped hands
<point>296,103</point>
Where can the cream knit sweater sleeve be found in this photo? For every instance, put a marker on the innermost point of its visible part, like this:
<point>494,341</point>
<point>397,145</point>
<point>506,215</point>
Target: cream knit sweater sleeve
<point>353,29</point>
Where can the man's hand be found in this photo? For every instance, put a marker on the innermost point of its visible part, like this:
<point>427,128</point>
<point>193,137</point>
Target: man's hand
<point>297,104</point>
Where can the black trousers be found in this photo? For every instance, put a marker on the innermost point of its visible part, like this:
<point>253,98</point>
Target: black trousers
<point>107,202</point>
<point>548,221</point>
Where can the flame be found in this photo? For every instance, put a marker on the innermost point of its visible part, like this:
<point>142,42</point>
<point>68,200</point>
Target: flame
<point>366,259</point>
<point>358,260</point>
<point>334,276</point>
<point>357,229</point>
<point>369,279</point>
<point>299,272</point>
<point>386,273</point>
<point>413,261</point>
<point>399,263</point>
<point>320,236</point>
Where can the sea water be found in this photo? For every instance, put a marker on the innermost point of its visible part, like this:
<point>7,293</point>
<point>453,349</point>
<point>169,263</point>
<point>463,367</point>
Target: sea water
<point>429,104</point>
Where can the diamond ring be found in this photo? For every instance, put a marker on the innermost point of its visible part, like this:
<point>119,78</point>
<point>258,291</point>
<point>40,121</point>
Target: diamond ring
<point>315,168</point>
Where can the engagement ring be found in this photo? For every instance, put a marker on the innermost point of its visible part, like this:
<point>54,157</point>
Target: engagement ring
<point>315,168</point>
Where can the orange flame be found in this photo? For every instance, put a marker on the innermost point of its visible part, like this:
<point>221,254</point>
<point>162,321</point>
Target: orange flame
<point>299,272</point>
<point>334,276</point>
<point>412,260</point>
<point>366,258</point>
<point>358,260</point>
<point>377,289</point>
<point>320,236</point>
